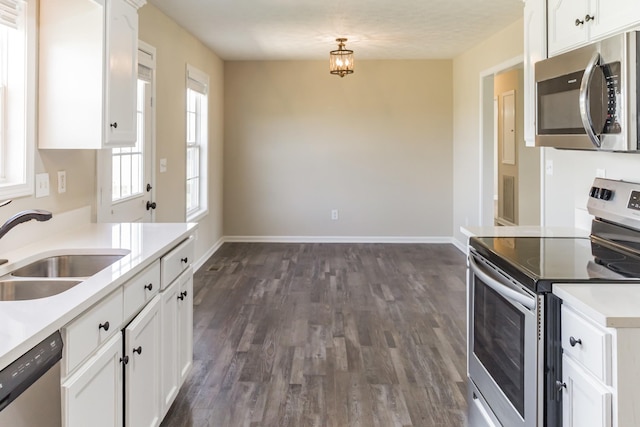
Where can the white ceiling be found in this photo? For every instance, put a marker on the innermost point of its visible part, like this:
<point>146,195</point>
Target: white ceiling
<point>307,29</point>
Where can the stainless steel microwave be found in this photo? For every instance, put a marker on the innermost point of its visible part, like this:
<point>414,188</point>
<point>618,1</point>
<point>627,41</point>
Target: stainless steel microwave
<point>586,99</point>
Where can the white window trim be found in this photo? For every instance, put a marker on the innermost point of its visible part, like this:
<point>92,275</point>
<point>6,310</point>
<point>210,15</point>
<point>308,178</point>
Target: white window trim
<point>201,79</point>
<point>26,188</point>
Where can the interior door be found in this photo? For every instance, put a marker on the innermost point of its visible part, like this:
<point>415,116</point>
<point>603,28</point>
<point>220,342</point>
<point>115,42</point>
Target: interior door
<point>125,175</point>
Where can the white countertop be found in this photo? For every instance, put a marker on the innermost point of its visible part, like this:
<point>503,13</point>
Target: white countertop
<point>612,305</point>
<point>24,324</point>
<point>524,231</point>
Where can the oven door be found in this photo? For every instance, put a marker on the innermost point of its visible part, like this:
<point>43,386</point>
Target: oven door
<point>503,349</point>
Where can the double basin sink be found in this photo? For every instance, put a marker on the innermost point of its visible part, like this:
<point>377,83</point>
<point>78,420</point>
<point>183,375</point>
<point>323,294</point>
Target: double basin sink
<point>52,275</point>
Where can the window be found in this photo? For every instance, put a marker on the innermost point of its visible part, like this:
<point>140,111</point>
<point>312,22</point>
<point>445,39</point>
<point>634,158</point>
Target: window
<point>17,97</point>
<point>127,162</point>
<point>197,127</point>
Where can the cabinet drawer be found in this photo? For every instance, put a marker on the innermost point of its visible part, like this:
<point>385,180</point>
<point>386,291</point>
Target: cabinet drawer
<point>587,344</point>
<point>176,261</point>
<point>141,289</point>
<point>84,334</point>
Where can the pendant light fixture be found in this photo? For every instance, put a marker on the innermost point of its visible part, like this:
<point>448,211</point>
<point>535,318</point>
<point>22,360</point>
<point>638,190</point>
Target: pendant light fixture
<point>341,60</point>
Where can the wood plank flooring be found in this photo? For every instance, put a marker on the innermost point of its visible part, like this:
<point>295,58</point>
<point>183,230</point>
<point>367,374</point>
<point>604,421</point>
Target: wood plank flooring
<point>327,335</point>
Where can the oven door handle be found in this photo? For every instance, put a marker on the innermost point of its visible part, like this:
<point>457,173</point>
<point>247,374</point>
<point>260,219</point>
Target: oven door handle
<point>501,288</point>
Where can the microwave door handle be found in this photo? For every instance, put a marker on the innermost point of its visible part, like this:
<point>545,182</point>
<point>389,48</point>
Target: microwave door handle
<point>585,107</point>
<point>507,292</point>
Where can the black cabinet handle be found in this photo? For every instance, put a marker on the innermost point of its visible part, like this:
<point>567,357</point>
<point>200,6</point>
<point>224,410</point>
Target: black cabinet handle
<point>114,125</point>
<point>138,350</point>
<point>124,359</point>
<point>104,326</point>
<point>574,341</point>
<point>151,205</point>
<point>149,286</point>
<point>185,260</point>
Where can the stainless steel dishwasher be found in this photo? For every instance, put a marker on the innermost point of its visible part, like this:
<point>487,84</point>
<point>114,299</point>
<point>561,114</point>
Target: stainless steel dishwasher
<point>30,387</point>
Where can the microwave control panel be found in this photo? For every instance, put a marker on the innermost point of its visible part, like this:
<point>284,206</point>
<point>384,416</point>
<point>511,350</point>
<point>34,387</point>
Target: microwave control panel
<point>612,80</point>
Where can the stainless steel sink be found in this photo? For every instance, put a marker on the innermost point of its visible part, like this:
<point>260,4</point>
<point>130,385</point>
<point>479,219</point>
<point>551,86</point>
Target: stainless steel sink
<point>67,266</point>
<point>17,290</point>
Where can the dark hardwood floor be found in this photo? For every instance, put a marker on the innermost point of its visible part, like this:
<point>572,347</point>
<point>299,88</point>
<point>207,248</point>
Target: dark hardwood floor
<point>333,335</point>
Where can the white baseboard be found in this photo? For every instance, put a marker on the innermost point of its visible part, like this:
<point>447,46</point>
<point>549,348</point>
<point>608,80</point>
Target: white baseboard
<point>200,262</point>
<point>461,246</point>
<point>339,239</point>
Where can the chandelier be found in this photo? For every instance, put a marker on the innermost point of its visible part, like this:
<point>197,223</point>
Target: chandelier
<point>341,60</point>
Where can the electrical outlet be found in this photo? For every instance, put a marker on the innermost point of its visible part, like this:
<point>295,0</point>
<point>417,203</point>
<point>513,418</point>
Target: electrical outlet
<point>62,181</point>
<point>42,185</point>
<point>334,214</point>
<point>601,173</point>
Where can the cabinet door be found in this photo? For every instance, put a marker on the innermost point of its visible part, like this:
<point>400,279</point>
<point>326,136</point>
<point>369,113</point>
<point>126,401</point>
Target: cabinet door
<point>535,49</point>
<point>612,16</point>
<point>185,324</point>
<point>121,76</point>
<point>586,402</point>
<point>169,377</point>
<point>563,33</point>
<point>93,395</point>
<point>142,372</point>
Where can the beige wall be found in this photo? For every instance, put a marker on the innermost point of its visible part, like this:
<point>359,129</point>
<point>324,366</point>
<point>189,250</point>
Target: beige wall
<point>500,48</point>
<point>376,145</point>
<point>175,47</point>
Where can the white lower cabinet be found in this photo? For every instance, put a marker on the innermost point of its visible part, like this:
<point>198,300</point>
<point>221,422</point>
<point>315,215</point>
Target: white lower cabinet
<point>177,336</point>
<point>142,370</point>
<point>129,354</point>
<point>586,401</point>
<point>93,395</point>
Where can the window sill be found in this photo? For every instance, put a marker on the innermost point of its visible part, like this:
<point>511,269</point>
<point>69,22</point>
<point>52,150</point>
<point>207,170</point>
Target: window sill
<point>198,215</point>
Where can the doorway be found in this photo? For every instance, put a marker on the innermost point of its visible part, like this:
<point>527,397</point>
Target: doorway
<point>510,171</point>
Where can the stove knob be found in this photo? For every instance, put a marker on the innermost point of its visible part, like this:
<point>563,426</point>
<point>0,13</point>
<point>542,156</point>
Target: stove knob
<point>594,192</point>
<point>605,194</point>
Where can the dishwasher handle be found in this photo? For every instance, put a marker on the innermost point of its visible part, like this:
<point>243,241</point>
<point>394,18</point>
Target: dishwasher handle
<point>501,288</point>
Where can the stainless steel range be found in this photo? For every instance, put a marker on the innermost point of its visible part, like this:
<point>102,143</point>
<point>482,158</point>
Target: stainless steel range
<point>514,343</point>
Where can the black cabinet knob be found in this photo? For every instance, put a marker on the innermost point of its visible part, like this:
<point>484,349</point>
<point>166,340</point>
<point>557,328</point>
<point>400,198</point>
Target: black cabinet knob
<point>104,326</point>
<point>114,125</point>
<point>149,286</point>
<point>149,187</point>
<point>181,296</point>
<point>579,22</point>
<point>138,350</point>
<point>560,385</point>
<point>151,205</point>
<point>184,293</point>
<point>589,18</point>
<point>185,260</point>
<point>574,341</point>
<point>124,359</point>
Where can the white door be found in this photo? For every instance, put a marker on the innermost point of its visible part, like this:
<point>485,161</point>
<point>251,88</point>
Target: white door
<point>125,175</point>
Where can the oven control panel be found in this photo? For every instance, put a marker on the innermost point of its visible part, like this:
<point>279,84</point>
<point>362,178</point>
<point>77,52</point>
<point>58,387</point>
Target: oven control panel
<point>617,201</point>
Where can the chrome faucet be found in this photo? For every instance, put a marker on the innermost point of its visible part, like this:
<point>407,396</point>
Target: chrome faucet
<point>20,217</point>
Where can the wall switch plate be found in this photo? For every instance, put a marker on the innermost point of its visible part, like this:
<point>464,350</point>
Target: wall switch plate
<point>62,181</point>
<point>42,185</point>
<point>163,165</point>
<point>334,214</point>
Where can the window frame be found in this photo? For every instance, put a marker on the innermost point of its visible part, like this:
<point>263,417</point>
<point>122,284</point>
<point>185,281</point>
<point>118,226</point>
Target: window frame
<point>21,182</point>
<point>198,81</point>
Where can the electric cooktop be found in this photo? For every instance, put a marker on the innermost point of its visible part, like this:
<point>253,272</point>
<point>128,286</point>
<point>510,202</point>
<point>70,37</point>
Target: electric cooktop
<point>537,262</point>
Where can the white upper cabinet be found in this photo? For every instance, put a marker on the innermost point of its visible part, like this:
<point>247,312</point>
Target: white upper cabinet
<point>87,73</point>
<point>535,49</point>
<point>573,23</point>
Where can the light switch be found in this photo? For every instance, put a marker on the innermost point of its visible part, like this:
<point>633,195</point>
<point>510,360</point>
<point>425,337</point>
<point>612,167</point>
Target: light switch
<point>42,185</point>
<point>163,165</point>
